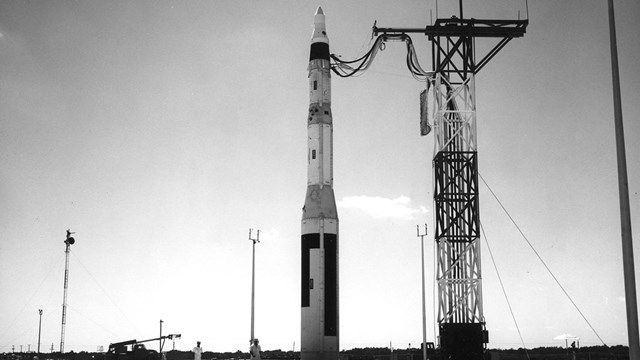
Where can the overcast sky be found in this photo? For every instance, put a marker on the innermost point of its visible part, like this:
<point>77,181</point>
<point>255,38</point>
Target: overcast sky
<point>161,131</point>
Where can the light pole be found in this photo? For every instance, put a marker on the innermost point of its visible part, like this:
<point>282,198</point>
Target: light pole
<point>39,330</point>
<point>253,277</point>
<point>68,242</point>
<point>160,339</point>
<point>623,194</point>
<point>424,311</point>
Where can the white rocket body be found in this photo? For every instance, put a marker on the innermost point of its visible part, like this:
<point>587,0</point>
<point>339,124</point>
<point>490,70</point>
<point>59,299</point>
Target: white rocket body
<point>319,285</point>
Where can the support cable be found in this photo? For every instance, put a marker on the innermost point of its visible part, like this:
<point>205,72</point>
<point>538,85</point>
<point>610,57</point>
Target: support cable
<point>93,321</point>
<point>542,261</point>
<point>55,264</point>
<point>107,295</point>
<point>504,292</point>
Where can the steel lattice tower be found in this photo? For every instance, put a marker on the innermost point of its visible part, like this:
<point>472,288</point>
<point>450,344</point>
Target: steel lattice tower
<point>455,170</point>
<point>463,335</point>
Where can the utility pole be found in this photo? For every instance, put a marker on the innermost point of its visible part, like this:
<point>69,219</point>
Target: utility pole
<point>623,193</point>
<point>424,308</point>
<point>160,339</point>
<point>68,242</point>
<point>39,330</point>
<point>253,277</point>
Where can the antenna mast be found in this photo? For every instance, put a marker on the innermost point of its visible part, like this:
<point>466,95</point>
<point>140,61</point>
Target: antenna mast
<point>68,242</point>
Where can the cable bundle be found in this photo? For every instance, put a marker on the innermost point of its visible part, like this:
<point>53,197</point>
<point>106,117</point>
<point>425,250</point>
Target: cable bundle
<point>353,67</point>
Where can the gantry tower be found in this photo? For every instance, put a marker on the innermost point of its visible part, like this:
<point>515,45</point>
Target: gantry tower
<point>462,331</point>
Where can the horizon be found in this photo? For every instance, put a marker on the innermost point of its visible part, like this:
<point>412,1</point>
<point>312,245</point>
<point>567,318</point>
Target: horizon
<point>563,348</point>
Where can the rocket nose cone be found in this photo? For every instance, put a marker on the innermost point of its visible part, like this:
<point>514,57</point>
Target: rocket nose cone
<point>319,17</point>
<point>319,28</point>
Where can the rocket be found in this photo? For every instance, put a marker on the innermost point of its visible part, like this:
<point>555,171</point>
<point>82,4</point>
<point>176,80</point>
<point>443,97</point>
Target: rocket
<point>319,303</point>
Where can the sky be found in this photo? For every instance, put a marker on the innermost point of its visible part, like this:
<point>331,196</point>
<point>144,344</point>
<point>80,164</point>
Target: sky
<point>160,132</point>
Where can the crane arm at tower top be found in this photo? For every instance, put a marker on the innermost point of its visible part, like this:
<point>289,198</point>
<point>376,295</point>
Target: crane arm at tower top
<point>450,35</point>
<point>464,27</point>
<point>450,27</point>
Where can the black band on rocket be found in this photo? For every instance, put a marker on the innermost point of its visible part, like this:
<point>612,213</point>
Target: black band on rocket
<point>319,50</point>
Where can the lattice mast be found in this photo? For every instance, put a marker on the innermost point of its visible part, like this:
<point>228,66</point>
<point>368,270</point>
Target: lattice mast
<point>455,169</point>
<point>68,242</point>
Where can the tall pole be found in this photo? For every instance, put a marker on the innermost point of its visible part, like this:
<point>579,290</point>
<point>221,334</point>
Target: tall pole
<point>424,308</point>
<point>39,330</point>
<point>68,242</point>
<point>623,191</point>
<point>253,277</point>
<point>160,339</point>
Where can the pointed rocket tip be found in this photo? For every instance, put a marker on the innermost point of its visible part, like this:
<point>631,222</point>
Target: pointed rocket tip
<point>319,28</point>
